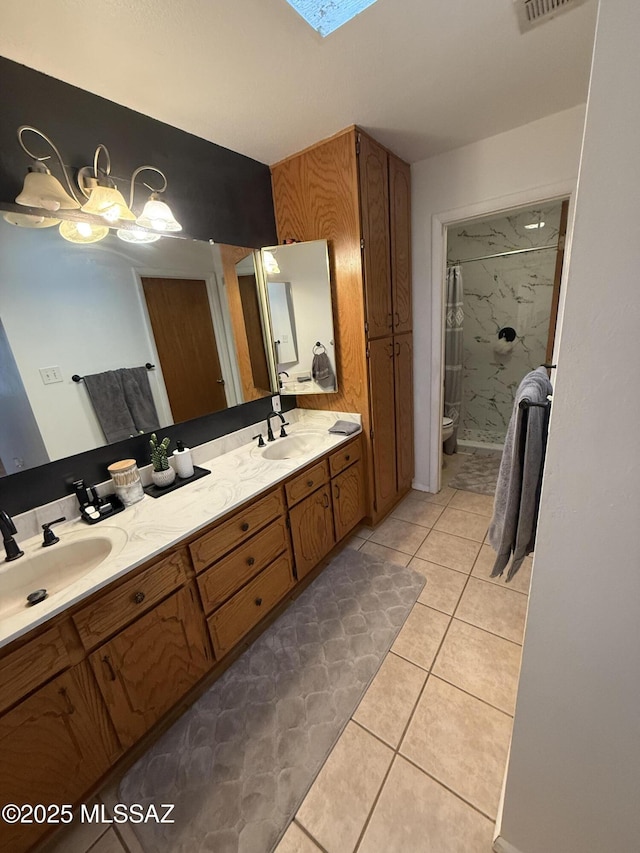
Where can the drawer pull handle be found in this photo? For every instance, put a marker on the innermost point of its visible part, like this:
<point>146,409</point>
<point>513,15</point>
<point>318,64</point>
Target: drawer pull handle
<point>139,597</point>
<point>337,488</point>
<point>309,483</point>
<point>67,699</point>
<point>258,602</point>
<point>348,457</point>
<point>112,674</point>
<point>325,501</point>
<point>244,526</point>
<point>250,561</point>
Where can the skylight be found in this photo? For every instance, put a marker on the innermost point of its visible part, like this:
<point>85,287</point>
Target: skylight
<point>325,16</point>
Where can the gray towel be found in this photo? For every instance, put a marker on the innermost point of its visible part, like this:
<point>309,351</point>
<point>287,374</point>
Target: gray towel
<point>123,402</point>
<point>515,509</point>
<point>107,397</point>
<point>139,399</point>
<point>344,428</point>
<point>322,371</point>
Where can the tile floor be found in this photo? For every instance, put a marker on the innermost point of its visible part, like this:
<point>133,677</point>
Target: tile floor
<point>419,767</point>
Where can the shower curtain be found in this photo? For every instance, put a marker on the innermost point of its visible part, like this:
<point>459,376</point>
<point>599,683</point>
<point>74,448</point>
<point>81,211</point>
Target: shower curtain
<point>453,352</point>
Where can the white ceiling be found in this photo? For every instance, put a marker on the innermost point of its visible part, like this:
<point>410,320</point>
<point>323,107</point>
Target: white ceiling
<point>424,76</point>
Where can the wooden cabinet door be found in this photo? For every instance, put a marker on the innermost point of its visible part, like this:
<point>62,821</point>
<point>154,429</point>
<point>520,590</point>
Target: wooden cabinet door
<point>148,667</point>
<point>383,419</point>
<point>374,215</point>
<point>312,530</point>
<point>400,232</point>
<point>53,750</point>
<point>403,369</point>
<point>348,499</point>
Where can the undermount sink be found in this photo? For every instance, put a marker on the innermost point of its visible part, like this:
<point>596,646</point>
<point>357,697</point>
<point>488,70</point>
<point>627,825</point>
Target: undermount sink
<point>294,446</point>
<point>54,568</point>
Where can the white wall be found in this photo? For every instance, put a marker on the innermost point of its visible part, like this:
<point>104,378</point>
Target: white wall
<point>573,783</point>
<point>528,164</point>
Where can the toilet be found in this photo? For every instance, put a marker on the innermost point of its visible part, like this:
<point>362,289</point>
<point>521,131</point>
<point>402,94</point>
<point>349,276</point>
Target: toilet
<point>447,428</point>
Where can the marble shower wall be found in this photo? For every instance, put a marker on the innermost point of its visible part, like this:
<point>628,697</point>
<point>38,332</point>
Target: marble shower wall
<point>510,291</point>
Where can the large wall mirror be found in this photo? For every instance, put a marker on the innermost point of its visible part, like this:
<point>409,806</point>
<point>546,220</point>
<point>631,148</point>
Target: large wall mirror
<point>298,294</point>
<point>188,309</point>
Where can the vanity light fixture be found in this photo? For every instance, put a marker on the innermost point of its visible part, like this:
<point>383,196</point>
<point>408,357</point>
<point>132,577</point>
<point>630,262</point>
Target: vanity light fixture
<point>41,188</point>
<point>156,215</point>
<point>538,223</point>
<point>82,232</point>
<point>270,263</point>
<point>29,220</point>
<point>103,197</point>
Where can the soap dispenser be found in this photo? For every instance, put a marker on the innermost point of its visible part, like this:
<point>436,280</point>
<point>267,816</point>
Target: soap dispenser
<point>184,464</point>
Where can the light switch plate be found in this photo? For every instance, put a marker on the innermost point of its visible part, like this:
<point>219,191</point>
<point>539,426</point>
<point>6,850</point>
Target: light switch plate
<point>50,375</point>
<point>275,401</point>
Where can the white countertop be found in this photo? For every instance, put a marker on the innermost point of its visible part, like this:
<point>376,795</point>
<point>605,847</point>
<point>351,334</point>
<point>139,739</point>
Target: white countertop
<point>154,524</point>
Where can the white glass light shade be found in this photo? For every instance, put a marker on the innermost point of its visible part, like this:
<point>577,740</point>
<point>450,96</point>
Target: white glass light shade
<point>270,264</point>
<point>27,220</point>
<point>41,189</point>
<point>82,232</point>
<point>157,215</point>
<point>137,235</point>
<point>109,203</point>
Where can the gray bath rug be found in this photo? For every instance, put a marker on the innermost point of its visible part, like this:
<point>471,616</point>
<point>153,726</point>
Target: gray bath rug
<point>479,473</point>
<point>239,762</point>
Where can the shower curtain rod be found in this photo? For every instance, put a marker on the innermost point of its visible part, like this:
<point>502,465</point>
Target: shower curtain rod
<point>501,255</point>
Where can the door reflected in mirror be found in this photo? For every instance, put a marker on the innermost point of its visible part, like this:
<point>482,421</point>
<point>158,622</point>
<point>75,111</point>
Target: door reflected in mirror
<point>110,308</point>
<point>298,292</point>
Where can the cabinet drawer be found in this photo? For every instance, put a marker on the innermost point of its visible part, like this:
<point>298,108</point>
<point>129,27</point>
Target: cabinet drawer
<point>304,484</point>
<point>219,583</point>
<point>115,609</point>
<point>31,665</point>
<point>344,457</point>
<point>236,530</point>
<point>238,616</point>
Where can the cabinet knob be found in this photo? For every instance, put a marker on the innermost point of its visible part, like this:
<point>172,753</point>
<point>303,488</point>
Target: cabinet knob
<point>244,526</point>
<point>348,457</point>
<point>258,602</point>
<point>250,561</point>
<point>139,597</point>
<point>309,483</point>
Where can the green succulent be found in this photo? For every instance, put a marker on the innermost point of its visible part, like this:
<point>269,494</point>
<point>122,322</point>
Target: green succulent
<point>159,453</point>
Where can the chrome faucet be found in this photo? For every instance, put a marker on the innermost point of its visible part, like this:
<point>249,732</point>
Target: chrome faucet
<point>8,530</point>
<point>270,436</point>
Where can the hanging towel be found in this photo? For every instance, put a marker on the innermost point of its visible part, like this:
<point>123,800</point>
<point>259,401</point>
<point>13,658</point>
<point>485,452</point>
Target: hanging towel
<point>107,397</point>
<point>139,399</point>
<point>322,372</point>
<point>515,510</point>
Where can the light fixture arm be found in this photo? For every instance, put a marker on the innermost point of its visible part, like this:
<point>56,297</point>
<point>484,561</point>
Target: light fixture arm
<point>21,131</point>
<point>148,186</point>
<point>85,172</point>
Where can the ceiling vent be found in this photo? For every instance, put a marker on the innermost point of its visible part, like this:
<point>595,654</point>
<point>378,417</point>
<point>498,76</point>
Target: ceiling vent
<point>534,12</point>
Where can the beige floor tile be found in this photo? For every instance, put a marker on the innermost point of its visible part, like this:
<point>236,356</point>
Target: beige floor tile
<point>443,588</point>
<point>494,608</point>
<point>441,498</point>
<point>421,635</point>
<point>450,551</point>
<point>336,808</point>
<point>457,522</point>
<point>387,705</point>
<point>472,502</point>
<point>418,512</point>
<point>483,567</point>
<point>400,535</point>
<point>388,554</point>
<point>296,841</point>
<point>354,542</point>
<point>415,814</point>
<point>462,742</point>
<point>363,531</point>
<point>480,663</point>
<point>108,843</point>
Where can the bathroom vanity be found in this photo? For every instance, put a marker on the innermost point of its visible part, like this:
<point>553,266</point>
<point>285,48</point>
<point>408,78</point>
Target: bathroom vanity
<point>116,655</point>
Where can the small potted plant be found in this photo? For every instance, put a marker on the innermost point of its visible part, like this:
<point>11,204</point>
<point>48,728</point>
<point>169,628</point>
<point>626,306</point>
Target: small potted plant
<point>163,474</point>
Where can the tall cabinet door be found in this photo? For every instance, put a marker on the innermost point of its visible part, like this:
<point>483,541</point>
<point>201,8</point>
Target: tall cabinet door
<point>374,211</point>
<point>381,390</point>
<point>400,231</point>
<point>403,370</point>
